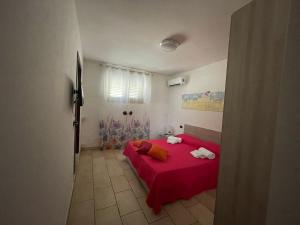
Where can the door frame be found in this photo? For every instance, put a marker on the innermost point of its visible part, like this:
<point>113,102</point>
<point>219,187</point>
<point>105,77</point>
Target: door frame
<point>77,105</point>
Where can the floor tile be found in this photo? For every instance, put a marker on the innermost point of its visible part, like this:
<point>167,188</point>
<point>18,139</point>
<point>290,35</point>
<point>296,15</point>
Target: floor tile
<point>119,156</point>
<point>82,192</point>
<point>101,180</point>
<point>124,164</point>
<point>85,162</point>
<point>151,217</point>
<point>179,214</point>
<point>138,189</point>
<point>82,213</point>
<point>108,216</point>
<point>100,159</point>
<point>104,197</point>
<point>188,203</point>
<point>203,214</point>
<point>130,175</point>
<point>97,153</point>
<point>136,218</point>
<point>109,154</point>
<point>127,203</point>
<point>212,193</point>
<point>119,183</point>
<point>99,165</point>
<point>85,176</point>
<point>85,157</point>
<point>84,169</point>
<point>85,154</point>
<point>207,200</point>
<point>114,169</point>
<point>163,221</point>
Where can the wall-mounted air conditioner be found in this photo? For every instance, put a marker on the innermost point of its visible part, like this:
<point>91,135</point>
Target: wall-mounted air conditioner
<point>176,81</point>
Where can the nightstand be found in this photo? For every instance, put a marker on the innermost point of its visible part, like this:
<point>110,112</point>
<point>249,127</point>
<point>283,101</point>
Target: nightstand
<point>165,135</point>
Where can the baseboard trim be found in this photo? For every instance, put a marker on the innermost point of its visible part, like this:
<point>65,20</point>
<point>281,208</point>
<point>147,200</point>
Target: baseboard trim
<point>86,148</point>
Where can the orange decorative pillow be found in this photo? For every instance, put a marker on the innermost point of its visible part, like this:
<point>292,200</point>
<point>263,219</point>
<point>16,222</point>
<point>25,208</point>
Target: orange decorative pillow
<point>158,152</point>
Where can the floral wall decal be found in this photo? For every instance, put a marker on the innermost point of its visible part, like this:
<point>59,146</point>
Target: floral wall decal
<point>115,133</point>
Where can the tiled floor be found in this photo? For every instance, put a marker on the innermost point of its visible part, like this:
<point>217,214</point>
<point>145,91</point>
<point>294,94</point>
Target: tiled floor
<point>107,192</point>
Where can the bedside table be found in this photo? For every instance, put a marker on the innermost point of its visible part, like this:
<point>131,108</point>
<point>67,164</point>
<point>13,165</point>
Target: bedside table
<point>165,135</point>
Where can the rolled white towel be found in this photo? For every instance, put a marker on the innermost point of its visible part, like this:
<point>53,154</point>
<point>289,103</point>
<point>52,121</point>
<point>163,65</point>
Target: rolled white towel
<point>195,153</point>
<point>173,140</point>
<point>203,153</point>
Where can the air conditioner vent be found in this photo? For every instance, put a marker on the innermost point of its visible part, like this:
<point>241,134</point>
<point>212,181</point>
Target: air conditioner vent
<point>176,81</point>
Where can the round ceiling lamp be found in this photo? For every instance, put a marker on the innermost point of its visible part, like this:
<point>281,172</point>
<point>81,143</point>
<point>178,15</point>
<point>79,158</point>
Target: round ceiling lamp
<point>169,45</point>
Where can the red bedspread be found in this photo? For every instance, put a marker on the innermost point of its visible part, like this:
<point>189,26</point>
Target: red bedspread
<point>179,177</point>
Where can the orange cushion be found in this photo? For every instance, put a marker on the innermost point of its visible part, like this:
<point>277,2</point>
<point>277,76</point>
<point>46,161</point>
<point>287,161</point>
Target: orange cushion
<point>158,152</point>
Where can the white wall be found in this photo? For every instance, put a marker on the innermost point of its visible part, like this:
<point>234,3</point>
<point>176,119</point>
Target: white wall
<point>95,107</point>
<point>39,41</point>
<point>207,78</point>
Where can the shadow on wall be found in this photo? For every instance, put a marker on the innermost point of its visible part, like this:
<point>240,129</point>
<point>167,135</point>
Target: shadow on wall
<point>69,84</point>
<point>181,38</point>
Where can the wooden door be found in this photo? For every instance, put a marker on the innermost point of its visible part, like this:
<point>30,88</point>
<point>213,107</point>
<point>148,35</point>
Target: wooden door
<point>255,63</point>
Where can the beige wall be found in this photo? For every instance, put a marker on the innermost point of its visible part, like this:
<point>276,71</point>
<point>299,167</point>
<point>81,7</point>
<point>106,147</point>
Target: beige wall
<point>39,41</point>
<point>97,108</point>
<point>207,78</point>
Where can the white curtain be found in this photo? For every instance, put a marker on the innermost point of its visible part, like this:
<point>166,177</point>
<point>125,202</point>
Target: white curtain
<point>126,86</point>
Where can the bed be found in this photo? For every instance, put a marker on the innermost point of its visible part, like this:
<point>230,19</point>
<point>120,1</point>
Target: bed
<point>181,176</point>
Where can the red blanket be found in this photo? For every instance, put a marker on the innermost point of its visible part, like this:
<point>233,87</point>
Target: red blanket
<point>181,176</point>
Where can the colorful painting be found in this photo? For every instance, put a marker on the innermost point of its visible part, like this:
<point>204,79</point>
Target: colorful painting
<point>114,134</point>
<point>206,101</point>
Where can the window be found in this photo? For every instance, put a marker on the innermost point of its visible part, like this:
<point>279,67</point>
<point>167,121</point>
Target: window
<point>122,85</point>
<point>115,90</point>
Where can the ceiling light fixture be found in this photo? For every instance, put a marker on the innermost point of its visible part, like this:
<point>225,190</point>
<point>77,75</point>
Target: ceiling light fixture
<point>169,45</point>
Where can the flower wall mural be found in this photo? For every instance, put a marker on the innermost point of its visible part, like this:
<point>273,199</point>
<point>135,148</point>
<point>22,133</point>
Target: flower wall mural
<point>115,133</point>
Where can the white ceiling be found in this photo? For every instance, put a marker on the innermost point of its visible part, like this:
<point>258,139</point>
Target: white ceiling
<point>128,32</point>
